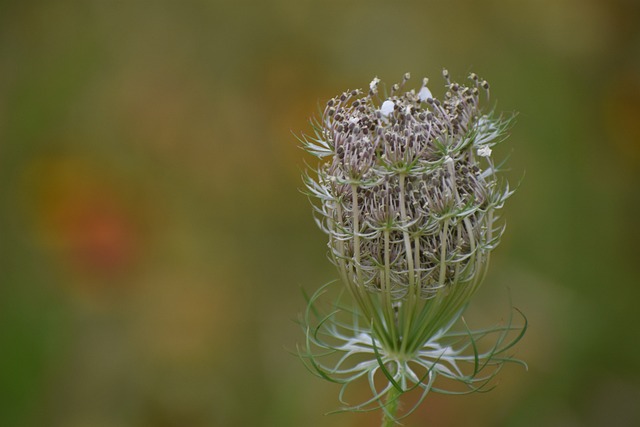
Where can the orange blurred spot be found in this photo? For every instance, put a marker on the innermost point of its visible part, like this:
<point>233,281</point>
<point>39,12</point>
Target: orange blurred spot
<point>622,109</point>
<point>82,217</point>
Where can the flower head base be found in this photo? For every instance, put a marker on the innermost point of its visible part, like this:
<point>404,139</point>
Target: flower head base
<point>408,194</point>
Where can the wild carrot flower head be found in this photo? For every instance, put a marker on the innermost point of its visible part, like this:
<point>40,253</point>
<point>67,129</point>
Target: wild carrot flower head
<point>408,193</point>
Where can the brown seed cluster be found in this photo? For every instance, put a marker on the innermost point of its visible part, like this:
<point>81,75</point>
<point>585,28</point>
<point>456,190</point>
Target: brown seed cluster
<point>408,190</point>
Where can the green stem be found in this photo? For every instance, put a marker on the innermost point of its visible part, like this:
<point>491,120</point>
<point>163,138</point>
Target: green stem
<point>391,408</point>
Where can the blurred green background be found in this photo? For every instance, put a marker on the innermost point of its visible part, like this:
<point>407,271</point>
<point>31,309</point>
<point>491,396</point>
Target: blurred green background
<point>153,239</point>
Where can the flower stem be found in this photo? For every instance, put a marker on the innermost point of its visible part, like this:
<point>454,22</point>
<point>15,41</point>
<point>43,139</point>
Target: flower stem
<point>391,408</point>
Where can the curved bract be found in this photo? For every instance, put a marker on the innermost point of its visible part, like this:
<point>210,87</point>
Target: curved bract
<point>342,347</point>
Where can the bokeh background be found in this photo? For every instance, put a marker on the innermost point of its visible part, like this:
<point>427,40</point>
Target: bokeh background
<point>154,241</point>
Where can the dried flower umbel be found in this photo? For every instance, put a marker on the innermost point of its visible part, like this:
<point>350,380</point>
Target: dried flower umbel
<point>409,195</point>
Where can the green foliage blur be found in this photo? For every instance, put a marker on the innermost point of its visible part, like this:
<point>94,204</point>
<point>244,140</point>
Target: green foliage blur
<point>154,241</point>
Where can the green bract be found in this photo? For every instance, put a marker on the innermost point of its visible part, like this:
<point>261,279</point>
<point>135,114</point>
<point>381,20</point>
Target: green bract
<point>408,194</point>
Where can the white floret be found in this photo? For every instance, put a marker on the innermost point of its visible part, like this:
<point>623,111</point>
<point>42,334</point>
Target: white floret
<point>484,151</point>
<point>387,107</point>
<point>424,94</point>
<point>374,84</point>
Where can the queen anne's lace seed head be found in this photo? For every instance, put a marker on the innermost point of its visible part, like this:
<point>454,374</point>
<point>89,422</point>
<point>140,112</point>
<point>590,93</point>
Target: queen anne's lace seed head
<point>408,194</point>
<point>408,189</point>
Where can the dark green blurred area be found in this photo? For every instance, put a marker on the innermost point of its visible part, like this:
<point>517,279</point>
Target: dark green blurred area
<point>153,240</point>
